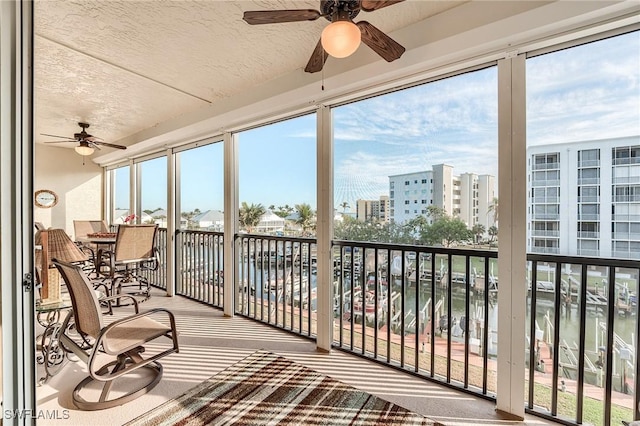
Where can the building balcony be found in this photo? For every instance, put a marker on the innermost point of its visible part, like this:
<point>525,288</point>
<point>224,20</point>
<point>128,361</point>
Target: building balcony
<point>545,233</point>
<point>545,216</point>
<point>546,166</point>
<point>591,217</point>
<point>626,198</point>
<point>545,250</point>
<point>626,179</point>
<point>628,160</point>
<point>626,236</point>
<point>589,163</point>
<point>589,181</point>
<point>588,252</point>
<point>588,234</point>
<point>539,183</point>
<point>589,199</point>
<point>546,200</point>
<point>624,217</point>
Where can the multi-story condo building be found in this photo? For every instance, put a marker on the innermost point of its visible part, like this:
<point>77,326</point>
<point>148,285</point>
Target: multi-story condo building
<point>467,196</point>
<point>585,198</point>
<point>373,210</point>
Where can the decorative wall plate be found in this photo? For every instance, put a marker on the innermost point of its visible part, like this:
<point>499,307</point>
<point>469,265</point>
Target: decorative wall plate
<point>45,198</point>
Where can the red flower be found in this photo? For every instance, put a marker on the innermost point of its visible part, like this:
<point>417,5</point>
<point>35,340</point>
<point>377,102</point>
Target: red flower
<point>130,218</point>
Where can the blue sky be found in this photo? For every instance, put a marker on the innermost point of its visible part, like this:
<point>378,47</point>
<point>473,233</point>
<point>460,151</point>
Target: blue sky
<point>583,93</point>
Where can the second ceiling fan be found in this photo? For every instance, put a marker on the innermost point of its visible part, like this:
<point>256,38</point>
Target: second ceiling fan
<point>342,36</point>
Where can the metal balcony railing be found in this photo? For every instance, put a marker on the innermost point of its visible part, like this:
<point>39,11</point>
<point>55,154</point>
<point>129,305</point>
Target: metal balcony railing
<point>626,179</point>
<point>582,339</point>
<point>200,266</point>
<point>276,281</point>
<point>545,216</point>
<point>588,163</point>
<point>548,250</point>
<point>624,217</point>
<point>627,160</point>
<point>589,181</point>
<point>546,200</point>
<point>589,199</point>
<point>546,166</point>
<point>588,234</point>
<point>626,198</point>
<point>589,216</point>
<point>548,182</point>
<point>432,312</point>
<point>545,233</point>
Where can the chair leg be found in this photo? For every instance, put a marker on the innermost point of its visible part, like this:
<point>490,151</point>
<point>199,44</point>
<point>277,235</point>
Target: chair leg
<point>153,368</point>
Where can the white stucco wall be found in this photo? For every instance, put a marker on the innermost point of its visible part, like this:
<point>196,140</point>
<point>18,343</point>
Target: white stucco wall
<point>79,187</point>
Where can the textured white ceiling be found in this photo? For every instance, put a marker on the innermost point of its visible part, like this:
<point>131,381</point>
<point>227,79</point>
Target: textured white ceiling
<point>126,66</point>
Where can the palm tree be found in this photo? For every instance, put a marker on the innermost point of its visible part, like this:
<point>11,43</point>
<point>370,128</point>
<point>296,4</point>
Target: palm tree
<point>478,231</point>
<point>344,206</point>
<point>493,208</point>
<point>250,215</point>
<point>493,233</point>
<point>305,218</point>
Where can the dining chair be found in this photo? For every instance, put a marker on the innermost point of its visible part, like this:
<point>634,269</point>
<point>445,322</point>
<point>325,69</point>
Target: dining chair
<point>82,228</point>
<point>133,254</point>
<point>114,352</point>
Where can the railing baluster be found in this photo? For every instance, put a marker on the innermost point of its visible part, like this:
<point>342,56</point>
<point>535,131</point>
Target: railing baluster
<point>556,341</point>
<point>485,330</point>
<point>417,331</point>
<point>467,279</point>
<point>432,332</point>
<point>582,308</point>
<point>449,284</point>
<point>611,283</point>
<point>534,355</point>
<point>403,292</point>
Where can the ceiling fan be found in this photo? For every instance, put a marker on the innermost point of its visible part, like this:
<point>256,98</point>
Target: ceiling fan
<point>340,38</point>
<point>87,142</point>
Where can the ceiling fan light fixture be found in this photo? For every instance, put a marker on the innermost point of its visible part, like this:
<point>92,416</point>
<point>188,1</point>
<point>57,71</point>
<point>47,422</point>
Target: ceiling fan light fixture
<point>84,149</point>
<point>341,38</point>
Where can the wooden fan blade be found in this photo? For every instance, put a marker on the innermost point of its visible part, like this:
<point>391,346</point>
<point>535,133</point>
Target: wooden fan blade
<point>64,141</point>
<point>92,138</point>
<point>257,17</point>
<point>381,43</point>
<point>371,5</point>
<point>110,145</point>
<point>58,136</point>
<point>317,60</point>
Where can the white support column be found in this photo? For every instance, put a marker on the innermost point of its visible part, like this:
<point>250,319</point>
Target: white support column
<point>230,221</point>
<point>16,213</point>
<point>134,189</point>
<point>512,255</point>
<point>172,213</point>
<point>324,229</point>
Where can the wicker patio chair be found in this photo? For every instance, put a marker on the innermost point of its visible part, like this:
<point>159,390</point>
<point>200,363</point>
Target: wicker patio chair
<point>134,254</point>
<point>113,353</point>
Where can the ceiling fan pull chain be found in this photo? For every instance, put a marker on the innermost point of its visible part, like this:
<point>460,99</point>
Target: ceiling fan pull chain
<point>322,86</point>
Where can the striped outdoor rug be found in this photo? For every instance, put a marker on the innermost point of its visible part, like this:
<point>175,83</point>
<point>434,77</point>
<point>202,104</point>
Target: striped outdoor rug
<point>268,389</point>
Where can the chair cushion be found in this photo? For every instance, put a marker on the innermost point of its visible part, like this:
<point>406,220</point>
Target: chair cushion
<point>133,333</point>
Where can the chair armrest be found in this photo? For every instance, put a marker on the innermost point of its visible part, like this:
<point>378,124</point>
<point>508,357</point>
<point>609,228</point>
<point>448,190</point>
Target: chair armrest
<point>121,296</point>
